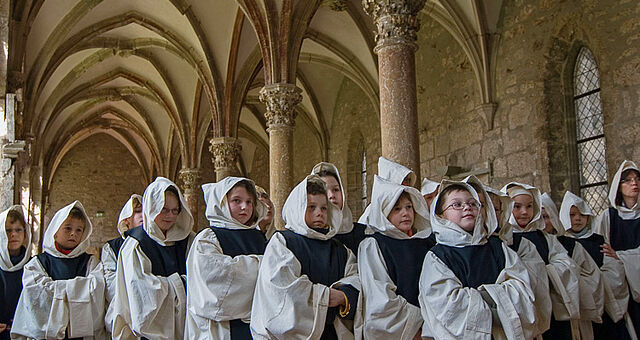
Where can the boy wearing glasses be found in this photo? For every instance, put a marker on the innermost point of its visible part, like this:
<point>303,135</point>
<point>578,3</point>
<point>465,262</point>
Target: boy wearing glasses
<point>14,240</point>
<point>562,272</point>
<point>472,286</point>
<point>150,294</point>
<point>63,287</point>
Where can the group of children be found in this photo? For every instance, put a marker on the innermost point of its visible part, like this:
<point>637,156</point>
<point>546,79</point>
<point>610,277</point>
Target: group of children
<point>459,260</point>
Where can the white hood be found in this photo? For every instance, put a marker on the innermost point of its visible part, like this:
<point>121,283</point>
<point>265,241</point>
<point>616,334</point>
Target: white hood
<point>347,218</point>
<point>551,210</point>
<point>395,172</point>
<point>428,186</point>
<point>506,230</point>
<point>625,212</point>
<point>451,234</point>
<point>126,212</point>
<point>5,258</point>
<point>492,219</point>
<point>384,196</point>
<point>536,223</point>
<point>48,243</point>
<point>296,205</point>
<point>152,204</point>
<point>218,213</point>
<point>569,200</point>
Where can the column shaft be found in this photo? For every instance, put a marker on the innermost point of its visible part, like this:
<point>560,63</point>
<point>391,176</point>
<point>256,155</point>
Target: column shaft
<point>190,178</point>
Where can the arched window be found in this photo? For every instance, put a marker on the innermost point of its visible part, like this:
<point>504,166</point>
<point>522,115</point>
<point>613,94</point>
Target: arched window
<point>590,141</point>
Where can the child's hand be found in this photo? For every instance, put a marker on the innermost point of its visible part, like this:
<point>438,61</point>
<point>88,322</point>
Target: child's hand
<point>3,327</point>
<point>336,298</point>
<point>608,251</point>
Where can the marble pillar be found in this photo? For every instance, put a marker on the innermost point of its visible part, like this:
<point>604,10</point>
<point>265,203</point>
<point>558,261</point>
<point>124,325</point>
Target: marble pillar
<point>397,26</point>
<point>226,151</point>
<point>190,178</point>
<point>280,100</point>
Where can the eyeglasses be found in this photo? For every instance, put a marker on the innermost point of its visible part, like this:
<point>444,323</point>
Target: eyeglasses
<point>165,211</point>
<point>630,180</point>
<point>460,205</point>
<point>17,231</point>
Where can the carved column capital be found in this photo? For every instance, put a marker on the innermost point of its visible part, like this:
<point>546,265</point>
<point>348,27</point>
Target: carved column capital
<point>280,100</point>
<point>190,179</point>
<point>225,151</point>
<point>397,21</point>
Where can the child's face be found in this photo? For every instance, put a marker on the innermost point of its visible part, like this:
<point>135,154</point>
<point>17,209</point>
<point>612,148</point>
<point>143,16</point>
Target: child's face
<point>136,219</point>
<point>548,226</point>
<point>240,204</point>
<point>70,233</point>
<point>402,215</point>
<point>264,198</point>
<point>429,198</point>
<point>15,235</point>
<point>466,216</point>
<point>578,221</point>
<point>334,193</point>
<point>315,216</point>
<point>523,209</point>
<point>169,213</point>
<point>629,185</point>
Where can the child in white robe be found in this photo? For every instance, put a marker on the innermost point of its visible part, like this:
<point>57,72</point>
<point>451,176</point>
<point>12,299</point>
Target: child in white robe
<point>561,270</point>
<point>223,263</point>
<point>472,286</point>
<point>549,212</point>
<point>584,247</point>
<point>15,252</point>
<point>266,223</point>
<point>620,226</point>
<point>63,287</point>
<point>130,217</point>
<point>429,190</point>
<point>150,294</point>
<point>390,262</point>
<point>307,286</point>
<point>349,233</point>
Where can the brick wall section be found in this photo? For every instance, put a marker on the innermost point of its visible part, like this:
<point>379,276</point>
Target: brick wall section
<point>102,174</point>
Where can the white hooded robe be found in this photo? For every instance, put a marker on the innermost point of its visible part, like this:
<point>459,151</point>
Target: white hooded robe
<point>52,308</point>
<point>144,304</point>
<point>286,304</point>
<point>220,286</point>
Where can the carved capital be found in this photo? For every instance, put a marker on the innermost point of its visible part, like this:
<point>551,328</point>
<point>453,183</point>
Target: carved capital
<point>280,100</point>
<point>190,178</point>
<point>397,21</point>
<point>225,151</point>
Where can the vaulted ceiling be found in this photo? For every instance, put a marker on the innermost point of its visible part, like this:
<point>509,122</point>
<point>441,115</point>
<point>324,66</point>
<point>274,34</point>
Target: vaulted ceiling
<point>162,76</point>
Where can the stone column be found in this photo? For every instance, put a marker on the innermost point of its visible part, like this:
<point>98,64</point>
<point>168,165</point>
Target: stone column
<point>190,178</point>
<point>280,100</point>
<point>225,152</point>
<point>397,24</point>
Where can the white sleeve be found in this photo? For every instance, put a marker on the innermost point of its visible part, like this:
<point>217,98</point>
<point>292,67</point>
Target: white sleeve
<point>449,310</point>
<point>631,260</point>
<point>48,308</point>
<point>514,299</point>
<point>220,286</point>
<point>563,277</point>
<point>615,288</point>
<point>146,305</point>
<point>591,285</point>
<point>386,314</point>
<point>537,270</point>
<point>286,305</point>
<point>109,262</point>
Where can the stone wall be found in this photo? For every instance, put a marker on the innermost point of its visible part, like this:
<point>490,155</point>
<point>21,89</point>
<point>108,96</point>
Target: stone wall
<point>356,127</point>
<point>307,150</point>
<point>102,174</point>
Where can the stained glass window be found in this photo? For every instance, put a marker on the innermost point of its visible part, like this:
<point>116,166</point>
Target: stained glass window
<point>592,165</point>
